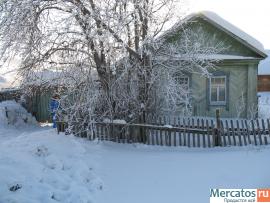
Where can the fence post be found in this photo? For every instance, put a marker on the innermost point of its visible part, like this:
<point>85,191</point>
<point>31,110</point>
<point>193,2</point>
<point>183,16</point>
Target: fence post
<point>217,130</point>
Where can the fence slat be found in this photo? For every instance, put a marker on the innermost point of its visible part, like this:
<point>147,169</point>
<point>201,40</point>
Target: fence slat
<point>193,134</point>
<point>198,135</point>
<point>179,133</point>
<point>259,131</point>
<point>185,134</point>
<point>228,132</point>
<point>204,137</point>
<point>157,137</point>
<point>268,126</point>
<point>188,134</point>
<point>147,134</point>
<point>213,133</point>
<point>208,133</point>
<point>222,133</point>
<point>244,132</point>
<point>238,133</point>
<point>253,132</point>
<point>264,133</point>
<point>152,136</point>
<point>233,133</point>
<point>174,133</point>
<point>169,137</point>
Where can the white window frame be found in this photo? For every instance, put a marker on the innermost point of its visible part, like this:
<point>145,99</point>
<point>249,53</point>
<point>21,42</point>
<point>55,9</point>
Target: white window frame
<point>210,91</point>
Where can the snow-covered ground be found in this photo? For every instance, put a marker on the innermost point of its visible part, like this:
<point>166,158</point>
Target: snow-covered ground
<point>46,167</point>
<point>38,165</point>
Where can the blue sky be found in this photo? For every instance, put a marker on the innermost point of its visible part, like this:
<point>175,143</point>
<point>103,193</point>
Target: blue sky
<point>251,16</point>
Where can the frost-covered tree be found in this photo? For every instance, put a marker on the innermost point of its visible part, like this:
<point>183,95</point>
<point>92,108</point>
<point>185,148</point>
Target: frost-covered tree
<point>110,55</point>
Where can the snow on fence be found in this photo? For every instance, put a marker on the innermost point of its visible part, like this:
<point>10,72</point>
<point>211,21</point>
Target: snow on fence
<point>190,132</point>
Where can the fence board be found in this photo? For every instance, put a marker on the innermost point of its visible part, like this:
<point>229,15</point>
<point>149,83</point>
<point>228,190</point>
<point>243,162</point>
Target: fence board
<point>244,132</point>
<point>259,131</point>
<point>208,133</point>
<point>189,137</point>
<point>204,137</point>
<point>264,132</point>
<point>213,133</point>
<point>233,134</point>
<point>193,134</point>
<point>198,135</point>
<point>268,127</point>
<point>253,132</point>
<point>175,132</point>
<point>248,132</point>
<point>185,140</point>
<point>222,131</point>
<point>238,133</point>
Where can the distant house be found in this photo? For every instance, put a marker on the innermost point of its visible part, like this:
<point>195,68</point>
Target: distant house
<point>234,79</point>
<point>264,75</point>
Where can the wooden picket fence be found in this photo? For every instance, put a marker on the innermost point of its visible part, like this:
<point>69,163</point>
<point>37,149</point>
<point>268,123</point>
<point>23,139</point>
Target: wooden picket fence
<point>190,132</point>
<point>205,134</point>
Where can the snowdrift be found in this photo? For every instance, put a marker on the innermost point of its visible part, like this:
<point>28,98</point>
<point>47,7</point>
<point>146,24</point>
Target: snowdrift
<point>13,114</point>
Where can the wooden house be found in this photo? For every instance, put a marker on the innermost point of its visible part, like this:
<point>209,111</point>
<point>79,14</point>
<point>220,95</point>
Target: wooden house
<point>235,76</point>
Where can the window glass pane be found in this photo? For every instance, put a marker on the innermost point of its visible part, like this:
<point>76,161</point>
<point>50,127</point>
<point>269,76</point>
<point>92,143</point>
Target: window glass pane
<point>221,94</point>
<point>218,81</point>
<point>218,89</point>
<point>213,81</point>
<point>213,94</point>
<point>222,81</point>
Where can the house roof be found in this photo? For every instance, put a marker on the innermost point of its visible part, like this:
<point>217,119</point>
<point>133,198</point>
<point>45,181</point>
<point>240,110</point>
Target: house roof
<point>228,28</point>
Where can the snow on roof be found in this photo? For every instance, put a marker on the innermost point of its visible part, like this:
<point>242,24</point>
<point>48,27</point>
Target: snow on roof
<point>264,65</point>
<point>234,30</point>
<point>208,57</point>
<point>216,19</point>
<point>54,78</point>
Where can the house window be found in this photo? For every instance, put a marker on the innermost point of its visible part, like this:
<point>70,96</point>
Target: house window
<point>218,90</point>
<point>182,83</point>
